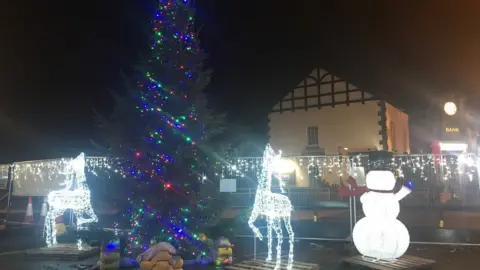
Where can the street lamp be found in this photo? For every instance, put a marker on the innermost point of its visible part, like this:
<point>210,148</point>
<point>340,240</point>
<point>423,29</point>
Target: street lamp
<point>450,108</point>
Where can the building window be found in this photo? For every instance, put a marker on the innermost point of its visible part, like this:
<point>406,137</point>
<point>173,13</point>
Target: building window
<point>393,136</point>
<point>312,136</point>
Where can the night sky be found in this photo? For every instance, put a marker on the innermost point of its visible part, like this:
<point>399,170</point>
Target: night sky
<point>59,60</point>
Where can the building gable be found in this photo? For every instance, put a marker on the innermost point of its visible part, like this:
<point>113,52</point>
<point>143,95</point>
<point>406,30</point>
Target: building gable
<point>321,89</point>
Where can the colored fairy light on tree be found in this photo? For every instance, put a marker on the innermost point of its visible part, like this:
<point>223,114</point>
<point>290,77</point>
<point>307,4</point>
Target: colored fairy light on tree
<point>162,126</point>
<point>276,207</point>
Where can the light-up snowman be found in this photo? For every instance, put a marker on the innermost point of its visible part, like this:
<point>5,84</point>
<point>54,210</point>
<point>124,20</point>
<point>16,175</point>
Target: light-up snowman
<point>380,235</point>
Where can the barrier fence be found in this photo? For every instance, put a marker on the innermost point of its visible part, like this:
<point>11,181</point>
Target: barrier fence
<point>305,198</point>
<point>317,178</point>
<point>443,208</point>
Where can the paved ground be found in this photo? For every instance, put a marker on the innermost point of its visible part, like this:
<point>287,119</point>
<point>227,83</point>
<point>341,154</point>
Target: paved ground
<point>422,224</point>
<point>327,254</point>
<point>17,261</point>
<point>449,258</point>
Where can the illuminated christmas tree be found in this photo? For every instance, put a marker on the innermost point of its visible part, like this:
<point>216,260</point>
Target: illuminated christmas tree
<point>163,131</point>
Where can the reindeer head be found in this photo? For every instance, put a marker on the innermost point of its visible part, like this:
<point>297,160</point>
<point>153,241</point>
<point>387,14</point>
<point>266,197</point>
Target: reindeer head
<point>271,163</point>
<point>270,158</point>
<point>78,164</point>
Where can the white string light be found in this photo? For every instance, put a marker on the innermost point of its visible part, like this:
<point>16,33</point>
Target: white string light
<point>50,169</point>
<point>323,167</point>
<point>75,196</point>
<point>380,236</point>
<point>276,208</point>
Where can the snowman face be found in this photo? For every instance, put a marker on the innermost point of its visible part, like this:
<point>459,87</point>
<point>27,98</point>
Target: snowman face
<point>380,205</point>
<point>380,180</point>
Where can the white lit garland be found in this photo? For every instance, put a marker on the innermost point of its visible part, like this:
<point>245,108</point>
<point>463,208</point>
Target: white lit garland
<point>276,208</point>
<point>449,166</point>
<point>75,196</point>
<point>47,170</point>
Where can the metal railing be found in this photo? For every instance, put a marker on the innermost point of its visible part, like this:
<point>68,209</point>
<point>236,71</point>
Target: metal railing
<point>304,198</point>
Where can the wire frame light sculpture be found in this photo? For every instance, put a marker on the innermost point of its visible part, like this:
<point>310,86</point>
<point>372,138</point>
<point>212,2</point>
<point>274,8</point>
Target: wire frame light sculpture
<point>75,196</point>
<point>275,207</point>
<point>380,236</point>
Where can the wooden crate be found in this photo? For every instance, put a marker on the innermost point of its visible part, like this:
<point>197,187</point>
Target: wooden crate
<point>402,263</point>
<point>62,252</point>
<point>264,265</point>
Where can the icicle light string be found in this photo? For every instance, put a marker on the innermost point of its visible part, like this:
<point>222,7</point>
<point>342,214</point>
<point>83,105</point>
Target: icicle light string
<point>420,165</point>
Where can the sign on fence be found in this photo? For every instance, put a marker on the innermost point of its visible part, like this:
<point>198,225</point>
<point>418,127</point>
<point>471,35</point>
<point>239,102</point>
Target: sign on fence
<point>228,185</point>
<point>359,174</point>
<point>4,176</point>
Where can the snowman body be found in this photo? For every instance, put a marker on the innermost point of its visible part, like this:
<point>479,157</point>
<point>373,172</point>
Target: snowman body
<point>376,204</point>
<point>380,235</point>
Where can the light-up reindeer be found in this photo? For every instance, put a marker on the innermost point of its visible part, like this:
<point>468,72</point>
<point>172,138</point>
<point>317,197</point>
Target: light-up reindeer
<point>276,208</point>
<point>75,196</point>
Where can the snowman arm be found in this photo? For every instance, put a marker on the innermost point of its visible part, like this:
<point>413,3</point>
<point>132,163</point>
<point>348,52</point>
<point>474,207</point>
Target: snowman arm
<point>402,193</point>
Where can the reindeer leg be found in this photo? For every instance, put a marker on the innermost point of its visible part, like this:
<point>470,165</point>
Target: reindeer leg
<point>47,228</point>
<point>253,217</point>
<point>54,229</point>
<point>291,238</point>
<point>78,215</point>
<point>278,230</point>
<point>270,238</point>
<point>79,243</point>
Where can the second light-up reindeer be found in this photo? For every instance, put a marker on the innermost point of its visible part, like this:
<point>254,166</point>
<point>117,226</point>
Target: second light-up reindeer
<point>275,207</point>
<point>75,196</point>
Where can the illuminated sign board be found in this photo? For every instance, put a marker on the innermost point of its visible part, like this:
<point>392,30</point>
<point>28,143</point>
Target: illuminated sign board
<point>452,130</point>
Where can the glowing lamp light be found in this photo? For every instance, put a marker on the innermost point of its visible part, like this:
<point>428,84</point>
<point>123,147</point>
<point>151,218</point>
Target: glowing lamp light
<point>284,166</point>
<point>450,108</point>
<point>380,235</point>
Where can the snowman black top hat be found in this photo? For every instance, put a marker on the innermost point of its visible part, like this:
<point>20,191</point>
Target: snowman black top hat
<point>380,160</point>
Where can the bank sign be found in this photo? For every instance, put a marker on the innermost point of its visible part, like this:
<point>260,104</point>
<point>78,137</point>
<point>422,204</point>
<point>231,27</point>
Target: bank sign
<point>453,133</point>
<point>452,130</point>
